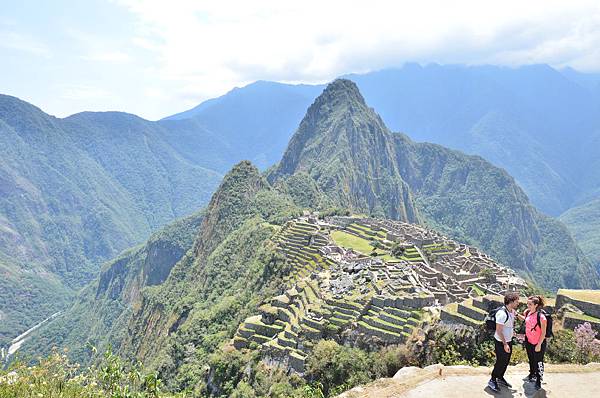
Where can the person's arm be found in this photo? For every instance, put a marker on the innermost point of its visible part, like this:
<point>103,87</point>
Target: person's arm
<point>538,346</point>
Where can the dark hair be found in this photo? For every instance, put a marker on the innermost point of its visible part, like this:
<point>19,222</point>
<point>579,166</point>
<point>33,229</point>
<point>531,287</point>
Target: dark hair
<point>510,297</point>
<point>537,300</point>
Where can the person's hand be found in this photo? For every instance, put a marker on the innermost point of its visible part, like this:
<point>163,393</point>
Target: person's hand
<point>538,347</point>
<point>506,348</point>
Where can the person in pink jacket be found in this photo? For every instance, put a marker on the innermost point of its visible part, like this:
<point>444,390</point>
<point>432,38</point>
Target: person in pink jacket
<point>535,338</point>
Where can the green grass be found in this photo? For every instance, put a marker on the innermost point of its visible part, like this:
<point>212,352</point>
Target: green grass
<point>590,296</point>
<point>384,331</point>
<point>453,309</point>
<point>360,245</point>
<point>478,290</point>
<point>583,317</point>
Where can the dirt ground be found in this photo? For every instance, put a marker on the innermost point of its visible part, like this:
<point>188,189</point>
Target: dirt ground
<point>569,381</point>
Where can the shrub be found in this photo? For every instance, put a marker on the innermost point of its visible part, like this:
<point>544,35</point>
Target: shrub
<point>55,376</point>
<point>457,345</point>
<point>562,348</point>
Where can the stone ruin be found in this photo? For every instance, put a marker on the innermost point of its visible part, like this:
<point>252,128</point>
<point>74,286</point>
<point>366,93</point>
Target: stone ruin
<point>333,289</point>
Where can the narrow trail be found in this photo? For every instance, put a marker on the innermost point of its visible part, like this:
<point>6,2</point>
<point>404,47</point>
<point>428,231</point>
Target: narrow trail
<point>463,381</point>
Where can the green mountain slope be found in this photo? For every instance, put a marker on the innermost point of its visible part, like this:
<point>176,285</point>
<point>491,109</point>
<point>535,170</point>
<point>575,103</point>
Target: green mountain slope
<point>584,222</point>
<point>216,285</point>
<point>101,311</point>
<point>74,192</point>
<point>347,150</point>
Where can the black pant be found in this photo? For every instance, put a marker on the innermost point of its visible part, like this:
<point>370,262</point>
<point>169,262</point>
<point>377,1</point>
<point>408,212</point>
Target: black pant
<point>502,359</point>
<point>536,359</point>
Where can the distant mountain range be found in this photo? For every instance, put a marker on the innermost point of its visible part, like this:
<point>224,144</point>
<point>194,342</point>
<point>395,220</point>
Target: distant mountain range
<point>76,191</point>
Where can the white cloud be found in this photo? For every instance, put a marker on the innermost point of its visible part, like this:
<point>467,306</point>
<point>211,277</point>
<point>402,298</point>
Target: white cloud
<point>24,43</point>
<point>155,57</point>
<point>116,57</point>
<point>207,47</point>
<point>81,92</point>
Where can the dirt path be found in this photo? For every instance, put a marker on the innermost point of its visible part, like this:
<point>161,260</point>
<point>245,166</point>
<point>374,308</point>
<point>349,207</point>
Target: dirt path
<point>569,381</point>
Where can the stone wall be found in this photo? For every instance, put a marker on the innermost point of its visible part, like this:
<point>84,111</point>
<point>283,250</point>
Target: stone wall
<point>587,307</point>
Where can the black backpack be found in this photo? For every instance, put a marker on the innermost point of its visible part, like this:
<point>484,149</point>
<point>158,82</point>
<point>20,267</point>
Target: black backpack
<point>490,319</point>
<point>549,332</point>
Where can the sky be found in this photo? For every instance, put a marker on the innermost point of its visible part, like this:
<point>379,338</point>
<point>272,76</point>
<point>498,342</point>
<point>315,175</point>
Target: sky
<point>156,58</point>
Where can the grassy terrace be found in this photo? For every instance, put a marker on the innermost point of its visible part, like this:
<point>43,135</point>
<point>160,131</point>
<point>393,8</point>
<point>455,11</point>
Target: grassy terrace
<point>358,244</point>
<point>477,290</point>
<point>304,258</point>
<point>590,296</point>
<point>582,317</point>
<point>382,331</point>
<point>367,233</point>
<point>453,310</point>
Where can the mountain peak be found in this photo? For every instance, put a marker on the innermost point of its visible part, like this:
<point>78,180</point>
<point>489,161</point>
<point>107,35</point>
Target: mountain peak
<point>340,92</point>
<point>334,145</point>
<point>229,204</point>
<point>339,120</point>
<point>343,87</point>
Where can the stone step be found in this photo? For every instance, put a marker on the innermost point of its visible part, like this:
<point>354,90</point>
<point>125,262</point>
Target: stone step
<point>345,311</point>
<point>337,321</point>
<point>392,319</point>
<point>381,324</point>
<point>466,308</point>
<point>310,333</point>
<point>285,342</point>
<point>478,303</point>
<point>340,315</point>
<point>385,335</point>
<point>239,342</point>
<point>397,311</point>
<point>318,325</point>
<point>245,333</point>
<point>450,314</point>
<point>260,339</point>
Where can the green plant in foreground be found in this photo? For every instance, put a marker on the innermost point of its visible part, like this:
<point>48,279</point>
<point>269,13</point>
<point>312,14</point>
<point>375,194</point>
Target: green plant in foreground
<point>56,376</point>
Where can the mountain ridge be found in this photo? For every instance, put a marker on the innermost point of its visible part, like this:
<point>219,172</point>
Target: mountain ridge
<point>71,199</point>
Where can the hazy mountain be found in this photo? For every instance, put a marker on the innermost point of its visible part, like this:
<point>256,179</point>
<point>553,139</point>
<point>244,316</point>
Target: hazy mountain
<point>584,222</point>
<point>528,120</point>
<point>255,121</point>
<point>74,192</point>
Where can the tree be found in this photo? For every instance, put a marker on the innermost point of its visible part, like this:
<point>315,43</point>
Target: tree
<point>397,250</point>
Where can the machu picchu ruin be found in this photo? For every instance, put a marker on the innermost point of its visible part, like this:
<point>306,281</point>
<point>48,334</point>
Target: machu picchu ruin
<point>366,280</point>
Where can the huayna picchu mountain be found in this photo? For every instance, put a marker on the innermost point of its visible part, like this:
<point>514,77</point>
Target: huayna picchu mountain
<point>318,247</point>
<point>346,148</point>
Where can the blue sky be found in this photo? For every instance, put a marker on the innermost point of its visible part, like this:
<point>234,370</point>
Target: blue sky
<point>155,58</point>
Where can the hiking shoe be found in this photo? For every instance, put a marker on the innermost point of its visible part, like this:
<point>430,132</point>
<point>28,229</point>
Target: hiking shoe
<point>493,385</point>
<point>503,381</point>
<point>530,378</point>
<point>538,384</point>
